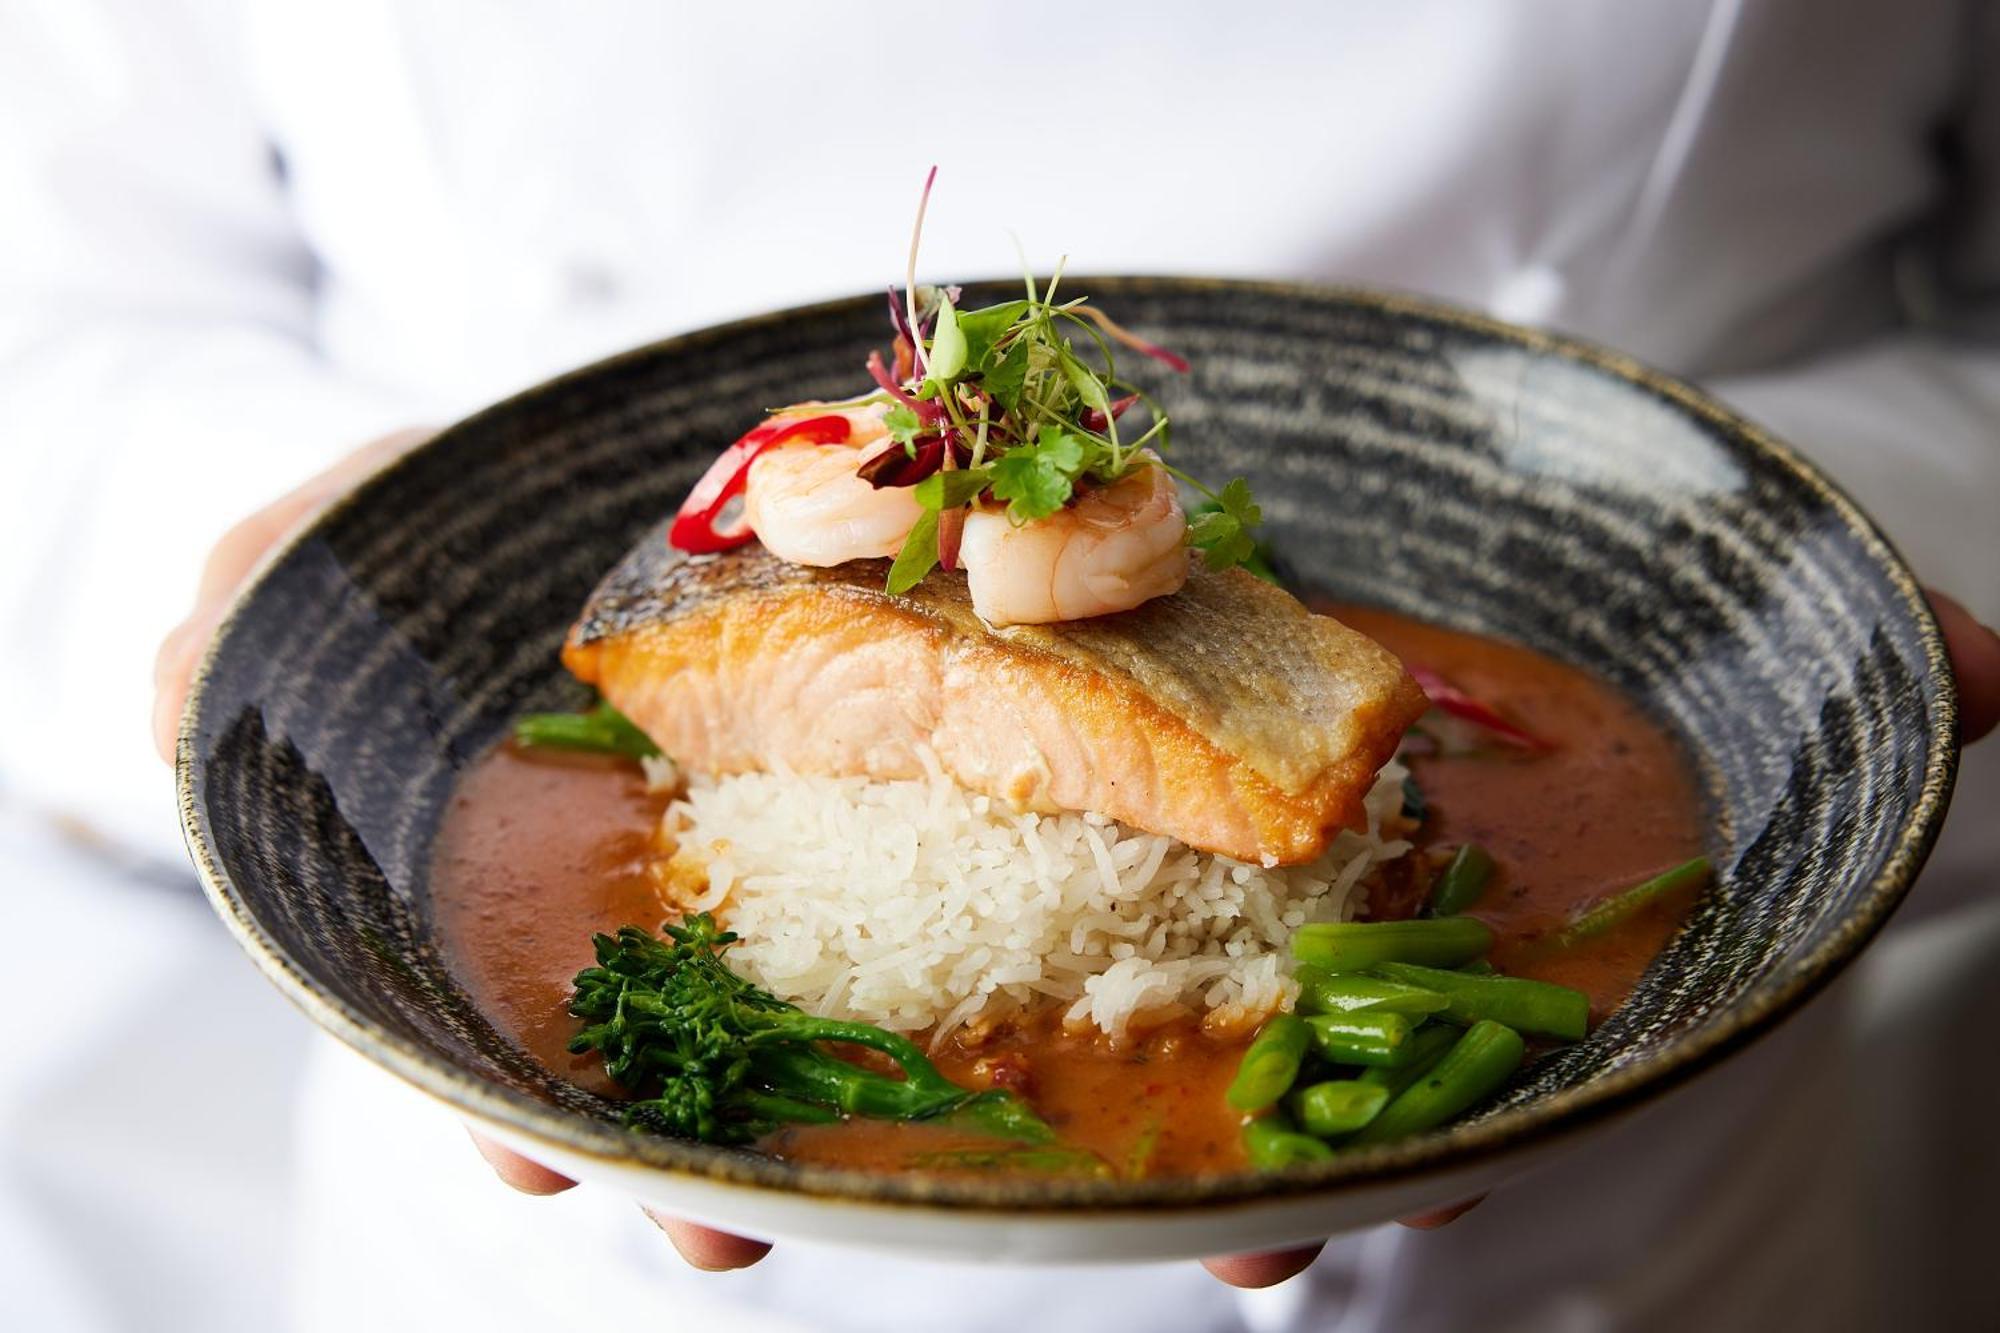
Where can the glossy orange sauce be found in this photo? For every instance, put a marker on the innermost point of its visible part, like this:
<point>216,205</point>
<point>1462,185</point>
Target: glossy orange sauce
<point>539,851</point>
<point>1614,803</point>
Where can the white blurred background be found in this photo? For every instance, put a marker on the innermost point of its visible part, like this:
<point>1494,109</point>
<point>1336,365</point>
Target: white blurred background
<point>239,238</point>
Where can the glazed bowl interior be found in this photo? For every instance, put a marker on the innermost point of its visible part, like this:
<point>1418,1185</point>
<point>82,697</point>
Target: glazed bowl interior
<point>1488,478</point>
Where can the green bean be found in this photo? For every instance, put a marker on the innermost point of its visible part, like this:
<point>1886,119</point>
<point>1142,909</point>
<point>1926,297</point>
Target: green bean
<point>1271,1063</point>
<point>1336,1107</point>
<point>1682,878</point>
<point>1350,946</point>
<point>1324,992</point>
<point>1363,1038</point>
<point>1427,1047</point>
<point>602,730</point>
<point>1526,1006</point>
<point>1480,967</point>
<point>1470,1072</point>
<point>1462,882</point>
<point>1273,1144</point>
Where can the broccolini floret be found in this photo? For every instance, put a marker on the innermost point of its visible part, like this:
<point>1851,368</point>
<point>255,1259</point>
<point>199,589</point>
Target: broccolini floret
<point>710,1056</point>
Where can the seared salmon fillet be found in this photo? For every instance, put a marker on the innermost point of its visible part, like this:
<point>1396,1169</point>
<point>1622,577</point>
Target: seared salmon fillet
<point>1227,715</point>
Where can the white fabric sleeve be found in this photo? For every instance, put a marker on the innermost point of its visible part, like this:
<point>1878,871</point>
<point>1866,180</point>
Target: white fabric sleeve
<point>1910,423</point>
<point>158,373</point>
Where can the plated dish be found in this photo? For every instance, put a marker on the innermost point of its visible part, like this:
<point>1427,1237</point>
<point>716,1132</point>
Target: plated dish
<point>1488,503</point>
<point>1007,823</point>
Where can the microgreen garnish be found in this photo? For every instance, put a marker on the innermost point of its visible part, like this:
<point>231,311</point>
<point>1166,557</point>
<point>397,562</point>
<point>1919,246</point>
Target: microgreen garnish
<point>1221,531</point>
<point>1038,479</point>
<point>1020,402</point>
<point>904,426</point>
<point>918,556</point>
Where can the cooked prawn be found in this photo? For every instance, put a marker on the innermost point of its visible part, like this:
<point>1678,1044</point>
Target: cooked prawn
<point>808,505</point>
<point>1116,547</point>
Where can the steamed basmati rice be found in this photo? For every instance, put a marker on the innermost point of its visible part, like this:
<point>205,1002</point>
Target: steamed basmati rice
<point>918,904</point>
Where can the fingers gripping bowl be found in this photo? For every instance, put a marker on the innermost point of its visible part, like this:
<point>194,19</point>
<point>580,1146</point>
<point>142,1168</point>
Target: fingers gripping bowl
<point>1407,456</point>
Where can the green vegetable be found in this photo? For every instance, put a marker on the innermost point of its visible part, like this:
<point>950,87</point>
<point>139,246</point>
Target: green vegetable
<point>1427,1047</point>
<point>1362,1038</point>
<point>1462,882</point>
<point>947,351</point>
<point>1683,878</point>
<point>984,327</point>
<point>1008,378</point>
<point>710,1056</point>
<point>1324,992</point>
<point>1271,1063</point>
<point>601,730</point>
<point>904,426</point>
<point>1470,1072</point>
<point>1336,1107</point>
<point>1037,479</point>
<point>1221,531</point>
<point>1089,388</point>
<point>918,556</point>
<point>1272,1144</point>
<point>1350,946</point>
<point>1524,1005</point>
<point>949,490</point>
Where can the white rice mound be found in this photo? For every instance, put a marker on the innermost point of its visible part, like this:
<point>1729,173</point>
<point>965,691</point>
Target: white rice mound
<point>918,904</point>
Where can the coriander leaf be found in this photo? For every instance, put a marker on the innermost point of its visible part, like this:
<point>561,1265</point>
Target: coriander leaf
<point>983,327</point>
<point>904,425</point>
<point>949,490</point>
<point>1221,540</point>
<point>1236,500</point>
<point>1038,479</point>
<point>947,353</point>
<point>1222,527</point>
<point>918,556</point>
<point>1003,382</point>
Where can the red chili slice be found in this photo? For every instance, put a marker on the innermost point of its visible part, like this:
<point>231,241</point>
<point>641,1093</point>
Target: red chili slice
<point>694,528</point>
<point>1448,698</point>
<point>1092,419</point>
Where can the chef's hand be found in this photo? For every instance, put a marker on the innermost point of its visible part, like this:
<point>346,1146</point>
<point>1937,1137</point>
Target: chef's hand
<point>715,1251</point>
<point>1974,649</point>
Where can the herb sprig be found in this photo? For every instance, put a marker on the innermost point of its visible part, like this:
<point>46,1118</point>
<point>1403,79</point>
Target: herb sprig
<point>1020,403</point>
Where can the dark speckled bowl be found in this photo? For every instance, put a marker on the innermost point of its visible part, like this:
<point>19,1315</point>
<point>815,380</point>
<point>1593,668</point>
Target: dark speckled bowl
<point>1488,477</point>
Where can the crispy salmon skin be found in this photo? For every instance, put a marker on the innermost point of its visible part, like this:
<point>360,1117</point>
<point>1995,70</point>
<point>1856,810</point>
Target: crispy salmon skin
<point>1227,716</point>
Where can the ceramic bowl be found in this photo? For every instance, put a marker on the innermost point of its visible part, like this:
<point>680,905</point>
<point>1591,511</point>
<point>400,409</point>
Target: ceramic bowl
<point>1486,477</point>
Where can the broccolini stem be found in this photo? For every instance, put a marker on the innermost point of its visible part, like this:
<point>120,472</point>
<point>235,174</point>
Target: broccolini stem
<point>916,1066</point>
<point>808,1074</point>
<point>773,1109</point>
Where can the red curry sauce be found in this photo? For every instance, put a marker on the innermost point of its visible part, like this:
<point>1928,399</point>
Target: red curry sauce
<point>539,851</point>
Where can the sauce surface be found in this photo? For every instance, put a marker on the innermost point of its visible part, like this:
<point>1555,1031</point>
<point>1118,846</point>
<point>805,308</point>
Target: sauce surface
<point>1614,803</point>
<point>539,851</point>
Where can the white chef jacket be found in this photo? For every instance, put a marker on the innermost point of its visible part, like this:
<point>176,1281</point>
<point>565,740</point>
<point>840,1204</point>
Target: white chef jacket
<point>239,237</point>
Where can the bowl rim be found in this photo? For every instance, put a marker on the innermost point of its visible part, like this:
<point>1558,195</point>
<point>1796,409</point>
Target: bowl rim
<point>1516,1129</point>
